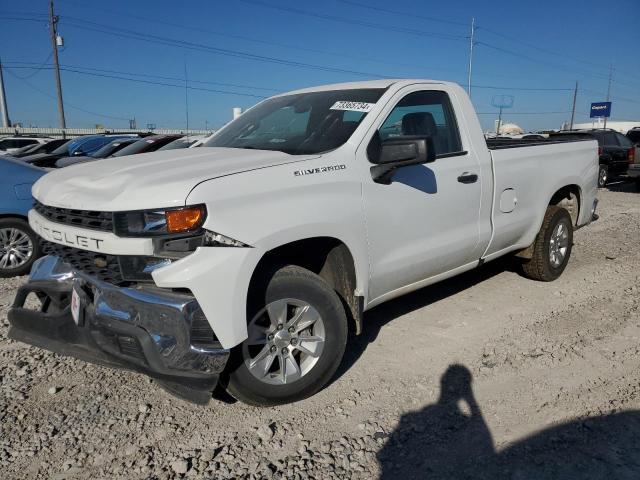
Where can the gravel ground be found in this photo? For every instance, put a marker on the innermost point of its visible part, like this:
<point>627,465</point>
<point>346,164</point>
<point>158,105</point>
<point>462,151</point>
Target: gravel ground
<point>487,375</point>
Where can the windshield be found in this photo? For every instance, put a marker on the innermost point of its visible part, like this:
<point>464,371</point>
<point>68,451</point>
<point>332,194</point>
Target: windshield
<point>180,143</point>
<point>305,123</point>
<point>110,148</point>
<point>63,149</point>
<point>144,145</point>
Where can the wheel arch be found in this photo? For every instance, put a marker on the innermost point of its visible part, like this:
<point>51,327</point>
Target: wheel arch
<point>328,257</point>
<point>569,197</point>
<point>13,215</point>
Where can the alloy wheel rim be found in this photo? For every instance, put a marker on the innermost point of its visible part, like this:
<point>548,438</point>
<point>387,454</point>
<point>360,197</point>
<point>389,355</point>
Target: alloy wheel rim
<point>286,340</point>
<point>16,248</point>
<point>603,176</point>
<point>559,244</point>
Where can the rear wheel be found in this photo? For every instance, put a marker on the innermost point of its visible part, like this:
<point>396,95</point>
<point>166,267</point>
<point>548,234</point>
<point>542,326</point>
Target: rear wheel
<point>637,184</point>
<point>603,175</point>
<point>552,247</point>
<point>297,334</point>
<point>19,247</point>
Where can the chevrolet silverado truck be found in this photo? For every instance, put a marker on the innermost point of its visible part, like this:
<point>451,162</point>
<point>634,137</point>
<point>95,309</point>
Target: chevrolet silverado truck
<point>247,263</point>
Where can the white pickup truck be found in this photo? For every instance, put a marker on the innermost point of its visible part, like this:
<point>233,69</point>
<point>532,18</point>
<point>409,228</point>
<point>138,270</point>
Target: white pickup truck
<point>247,262</point>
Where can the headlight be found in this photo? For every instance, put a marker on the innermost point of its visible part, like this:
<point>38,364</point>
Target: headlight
<point>147,223</point>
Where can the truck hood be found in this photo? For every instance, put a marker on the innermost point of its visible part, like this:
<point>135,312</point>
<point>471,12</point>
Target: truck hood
<point>148,180</point>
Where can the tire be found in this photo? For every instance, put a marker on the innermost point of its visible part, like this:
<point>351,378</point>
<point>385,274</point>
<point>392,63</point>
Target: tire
<point>544,265</point>
<point>637,184</point>
<point>292,290</point>
<point>603,176</point>
<point>17,240</point>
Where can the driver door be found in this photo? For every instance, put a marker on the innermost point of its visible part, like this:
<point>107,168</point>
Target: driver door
<point>426,222</point>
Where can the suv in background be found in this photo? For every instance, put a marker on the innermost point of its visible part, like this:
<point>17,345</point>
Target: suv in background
<point>616,151</point>
<point>634,168</point>
<point>11,144</point>
<point>39,148</point>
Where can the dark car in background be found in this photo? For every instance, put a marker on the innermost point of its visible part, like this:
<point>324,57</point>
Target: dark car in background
<point>615,150</point>
<point>188,141</point>
<point>106,151</point>
<point>634,168</point>
<point>40,148</point>
<point>19,245</point>
<point>81,146</point>
<point>147,144</point>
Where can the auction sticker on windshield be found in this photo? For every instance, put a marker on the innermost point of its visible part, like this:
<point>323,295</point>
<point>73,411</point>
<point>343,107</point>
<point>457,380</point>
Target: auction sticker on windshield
<point>352,106</point>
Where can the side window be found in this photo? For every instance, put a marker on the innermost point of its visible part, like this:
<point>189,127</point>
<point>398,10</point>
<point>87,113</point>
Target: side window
<point>427,113</point>
<point>284,123</point>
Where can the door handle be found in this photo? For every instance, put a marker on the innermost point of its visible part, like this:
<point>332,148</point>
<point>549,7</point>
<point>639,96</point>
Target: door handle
<point>467,177</point>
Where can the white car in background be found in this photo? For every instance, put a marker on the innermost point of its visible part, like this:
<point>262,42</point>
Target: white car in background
<point>12,144</point>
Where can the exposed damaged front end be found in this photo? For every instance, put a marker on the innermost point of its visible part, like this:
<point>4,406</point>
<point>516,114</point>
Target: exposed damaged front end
<point>138,326</point>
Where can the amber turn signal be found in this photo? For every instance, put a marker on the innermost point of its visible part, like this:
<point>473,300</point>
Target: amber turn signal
<point>184,219</point>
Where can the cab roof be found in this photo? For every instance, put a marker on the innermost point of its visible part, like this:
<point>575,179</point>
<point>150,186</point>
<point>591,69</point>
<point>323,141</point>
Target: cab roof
<point>382,83</point>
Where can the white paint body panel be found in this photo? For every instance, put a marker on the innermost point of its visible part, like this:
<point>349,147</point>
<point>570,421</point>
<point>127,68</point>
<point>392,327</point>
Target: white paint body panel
<point>422,228</point>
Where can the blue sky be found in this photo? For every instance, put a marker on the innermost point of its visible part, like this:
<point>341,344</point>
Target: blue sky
<point>236,52</point>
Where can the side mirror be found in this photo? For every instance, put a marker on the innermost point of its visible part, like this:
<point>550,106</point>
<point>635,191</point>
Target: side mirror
<point>399,152</point>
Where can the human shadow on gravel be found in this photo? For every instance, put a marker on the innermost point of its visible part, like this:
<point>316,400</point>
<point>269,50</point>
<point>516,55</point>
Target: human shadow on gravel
<point>445,441</point>
<point>379,316</point>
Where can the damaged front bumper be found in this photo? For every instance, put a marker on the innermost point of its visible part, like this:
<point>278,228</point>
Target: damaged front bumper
<point>159,332</point>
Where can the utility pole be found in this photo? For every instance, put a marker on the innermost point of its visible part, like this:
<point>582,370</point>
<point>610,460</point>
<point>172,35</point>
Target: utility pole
<point>3,101</point>
<point>608,90</point>
<point>53,20</point>
<point>573,108</point>
<point>471,41</point>
<point>186,95</point>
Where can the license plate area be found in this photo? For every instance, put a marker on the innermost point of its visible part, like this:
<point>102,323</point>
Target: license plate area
<point>78,303</point>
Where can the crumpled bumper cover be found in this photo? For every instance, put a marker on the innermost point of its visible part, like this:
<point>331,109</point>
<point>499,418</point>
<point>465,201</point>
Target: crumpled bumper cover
<point>144,329</point>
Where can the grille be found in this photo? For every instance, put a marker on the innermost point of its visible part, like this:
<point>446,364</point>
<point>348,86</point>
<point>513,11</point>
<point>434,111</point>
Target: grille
<point>102,221</point>
<point>85,261</point>
<point>202,335</point>
<point>130,347</point>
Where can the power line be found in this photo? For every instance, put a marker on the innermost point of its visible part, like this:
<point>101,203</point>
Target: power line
<point>38,69</point>
<point>29,65</point>
<point>480,27</point>
<point>354,21</point>
<point>150,82</point>
<point>397,12</point>
<point>67,104</point>
<point>123,33</point>
<point>192,28</point>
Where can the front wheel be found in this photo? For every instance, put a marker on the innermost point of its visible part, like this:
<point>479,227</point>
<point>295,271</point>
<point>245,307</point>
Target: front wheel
<point>603,176</point>
<point>552,247</point>
<point>297,335</point>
